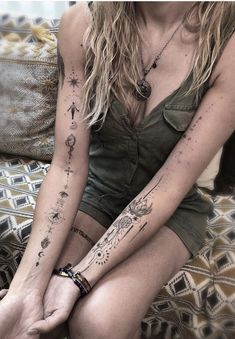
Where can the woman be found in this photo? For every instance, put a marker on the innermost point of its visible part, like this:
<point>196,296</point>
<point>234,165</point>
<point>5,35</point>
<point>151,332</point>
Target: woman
<point>153,83</point>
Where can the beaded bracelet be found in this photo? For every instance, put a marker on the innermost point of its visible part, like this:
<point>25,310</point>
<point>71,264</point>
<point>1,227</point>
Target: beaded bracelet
<point>79,280</point>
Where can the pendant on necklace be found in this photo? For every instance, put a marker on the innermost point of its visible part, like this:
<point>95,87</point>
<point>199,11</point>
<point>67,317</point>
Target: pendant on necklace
<point>144,90</point>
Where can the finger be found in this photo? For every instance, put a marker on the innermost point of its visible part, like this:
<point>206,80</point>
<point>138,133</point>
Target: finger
<point>48,324</point>
<point>3,292</point>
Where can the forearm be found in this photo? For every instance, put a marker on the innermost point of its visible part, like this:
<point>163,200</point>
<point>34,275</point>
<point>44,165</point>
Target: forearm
<point>134,226</point>
<point>159,199</point>
<point>55,210</point>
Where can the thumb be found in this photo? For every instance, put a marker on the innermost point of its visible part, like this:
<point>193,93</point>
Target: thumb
<point>49,323</point>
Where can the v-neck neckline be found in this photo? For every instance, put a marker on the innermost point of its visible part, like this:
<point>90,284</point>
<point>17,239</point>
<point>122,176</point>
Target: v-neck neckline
<point>156,108</point>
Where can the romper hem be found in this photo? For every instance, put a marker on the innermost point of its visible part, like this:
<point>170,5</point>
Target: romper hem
<point>93,212</point>
<point>188,224</point>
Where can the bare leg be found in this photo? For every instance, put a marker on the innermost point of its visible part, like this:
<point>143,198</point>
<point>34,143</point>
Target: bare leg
<point>80,242</point>
<point>117,304</point>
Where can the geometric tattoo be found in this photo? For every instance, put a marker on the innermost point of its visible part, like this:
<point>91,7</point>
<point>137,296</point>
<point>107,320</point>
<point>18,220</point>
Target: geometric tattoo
<point>73,82</point>
<point>73,79</point>
<point>120,228</point>
<point>55,217</point>
<point>131,219</point>
<point>56,214</point>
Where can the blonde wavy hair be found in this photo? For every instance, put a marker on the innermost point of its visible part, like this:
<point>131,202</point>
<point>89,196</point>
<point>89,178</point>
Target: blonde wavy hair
<point>113,68</point>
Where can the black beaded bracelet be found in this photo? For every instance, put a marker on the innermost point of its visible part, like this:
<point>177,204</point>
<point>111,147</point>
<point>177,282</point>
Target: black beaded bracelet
<point>77,278</point>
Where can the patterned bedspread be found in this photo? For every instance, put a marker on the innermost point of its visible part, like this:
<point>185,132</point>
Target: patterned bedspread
<point>198,302</point>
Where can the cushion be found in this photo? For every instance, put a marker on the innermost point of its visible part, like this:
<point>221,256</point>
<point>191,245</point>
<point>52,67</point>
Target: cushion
<point>28,86</point>
<point>20,180</point>
<point>207,178</point>
<point>225,180</point>
<point>199,301</point>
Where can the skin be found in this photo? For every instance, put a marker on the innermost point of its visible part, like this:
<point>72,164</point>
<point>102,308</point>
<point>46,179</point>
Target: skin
<point>137,241</point>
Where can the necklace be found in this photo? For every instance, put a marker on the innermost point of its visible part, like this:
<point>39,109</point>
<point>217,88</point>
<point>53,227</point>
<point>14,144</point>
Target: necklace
<point>144,87</point>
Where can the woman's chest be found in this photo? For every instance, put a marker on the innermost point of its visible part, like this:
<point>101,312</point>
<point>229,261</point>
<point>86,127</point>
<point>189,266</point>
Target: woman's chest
<point>173,68</point>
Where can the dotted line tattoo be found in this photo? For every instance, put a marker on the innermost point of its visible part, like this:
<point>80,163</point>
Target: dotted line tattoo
<point>73,81</point>
<point>55,217</point>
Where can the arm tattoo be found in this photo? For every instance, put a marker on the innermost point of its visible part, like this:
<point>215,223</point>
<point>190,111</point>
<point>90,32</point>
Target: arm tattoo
<point>127,222</point>
<point>73,109</point>
<point>154,187</point>
<point>73,125</point>
<point>73,80</point>
<point>69,142</point>
<point>55,217</point>
<point>142,228</point>
<point>83,234</point>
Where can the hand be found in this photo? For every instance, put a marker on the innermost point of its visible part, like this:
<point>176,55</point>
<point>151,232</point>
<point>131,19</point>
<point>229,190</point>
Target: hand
<point>59,299</point>
<point>18,313</point>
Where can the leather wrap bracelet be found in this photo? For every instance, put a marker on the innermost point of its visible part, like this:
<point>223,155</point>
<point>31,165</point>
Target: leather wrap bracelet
<point>79,280</point>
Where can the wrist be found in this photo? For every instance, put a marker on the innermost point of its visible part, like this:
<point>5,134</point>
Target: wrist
<point>92,274</point>
<point>67,284</point>
<point>77,278</point>
<point>29,283</point>
<point>25,294</point>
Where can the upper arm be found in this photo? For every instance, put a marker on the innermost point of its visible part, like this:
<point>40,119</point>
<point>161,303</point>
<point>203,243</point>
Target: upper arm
<point>71,132</point>
<point>212,125</point>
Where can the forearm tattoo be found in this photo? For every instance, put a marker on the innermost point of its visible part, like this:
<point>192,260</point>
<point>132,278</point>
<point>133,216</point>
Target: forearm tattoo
<point>130,219</point>
<point>83,234</point>
<point>73,109</point>
<point>55,216</point>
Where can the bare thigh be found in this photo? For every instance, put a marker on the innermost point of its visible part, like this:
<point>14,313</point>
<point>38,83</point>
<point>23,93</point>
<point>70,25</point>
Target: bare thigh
<point>94,231</point>
<point>118,302</point>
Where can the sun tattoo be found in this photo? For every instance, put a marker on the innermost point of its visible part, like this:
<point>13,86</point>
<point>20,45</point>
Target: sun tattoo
<point>73,80</point>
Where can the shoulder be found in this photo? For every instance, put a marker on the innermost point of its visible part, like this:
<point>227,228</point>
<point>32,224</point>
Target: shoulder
<point>223,74</point>
<point>73,25</point>
<point>222,88</point>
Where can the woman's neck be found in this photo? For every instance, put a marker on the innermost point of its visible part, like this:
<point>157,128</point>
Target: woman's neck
<point>161,14</point>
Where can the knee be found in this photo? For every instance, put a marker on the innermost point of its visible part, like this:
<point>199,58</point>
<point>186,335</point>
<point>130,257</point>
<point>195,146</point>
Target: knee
<point>92,320</point>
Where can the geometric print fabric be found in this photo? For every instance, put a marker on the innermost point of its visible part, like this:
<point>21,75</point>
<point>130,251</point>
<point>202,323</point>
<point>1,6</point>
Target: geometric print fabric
<point>20,181</point>
<point>198,302</point>
<point>28,85</point>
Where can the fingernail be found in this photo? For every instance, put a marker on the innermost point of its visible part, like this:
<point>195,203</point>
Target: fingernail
<point>33,331</point>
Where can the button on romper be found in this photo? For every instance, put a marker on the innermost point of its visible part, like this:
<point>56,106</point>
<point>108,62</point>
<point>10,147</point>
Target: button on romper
<point>123,159</point>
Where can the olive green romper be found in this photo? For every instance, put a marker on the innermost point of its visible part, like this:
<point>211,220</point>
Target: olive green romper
<point>123,159</point>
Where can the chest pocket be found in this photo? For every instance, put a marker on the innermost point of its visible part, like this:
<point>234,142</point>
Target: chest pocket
<point>178,116</point>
